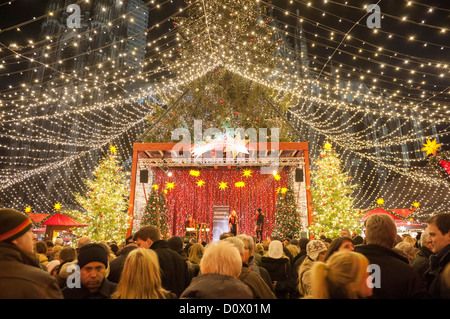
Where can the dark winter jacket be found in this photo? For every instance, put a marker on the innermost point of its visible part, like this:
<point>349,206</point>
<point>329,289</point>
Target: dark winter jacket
<point>175,275</point>
<point>22,278</point>
<point>398,280</point>
<point>216,286</point>
<point>436,286</point>
<point>422,261</point>
<point>116,265</point>
<point>255,282</point>
<point>279,271</point>
<point>105,291</point>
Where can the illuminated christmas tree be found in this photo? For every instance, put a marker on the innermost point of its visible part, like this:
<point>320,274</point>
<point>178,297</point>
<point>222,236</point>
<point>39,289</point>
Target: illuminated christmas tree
<point>105,203</point>
<point>287,218</point>
<point>155,212</point>
<point>333,204</point>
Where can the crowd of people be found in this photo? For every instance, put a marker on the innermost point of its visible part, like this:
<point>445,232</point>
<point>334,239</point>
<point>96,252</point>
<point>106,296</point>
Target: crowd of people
<point>383,265</point>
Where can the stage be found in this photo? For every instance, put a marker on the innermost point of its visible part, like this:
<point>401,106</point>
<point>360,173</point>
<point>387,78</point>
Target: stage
<point>195,185</point>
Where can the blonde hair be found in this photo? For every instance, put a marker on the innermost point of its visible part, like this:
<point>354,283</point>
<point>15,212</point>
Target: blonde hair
<point>407,249</point>
<point>196,253</point>
<point>293,249</point>
<point>141,278</point>
<point>221,258</point>
<point>381,230</point>
<point>341,277</point>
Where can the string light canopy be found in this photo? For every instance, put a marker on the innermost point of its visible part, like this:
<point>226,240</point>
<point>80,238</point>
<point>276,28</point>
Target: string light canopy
<point>376,94</point>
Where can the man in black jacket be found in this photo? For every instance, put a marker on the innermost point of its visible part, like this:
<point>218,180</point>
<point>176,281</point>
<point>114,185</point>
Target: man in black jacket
<point>422,261</point>
<point>116,265</point>
<point>174,270</point>
<point>439,236</point>
<point>393,277</point>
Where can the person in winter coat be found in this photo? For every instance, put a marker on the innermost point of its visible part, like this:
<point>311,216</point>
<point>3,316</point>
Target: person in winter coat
<point>175,274</point>
<point>20,274</point>
<point>439,236</point>
<point>393,277</point>
<point>422,261</point>
<point>41,250</point>
<point>249,277</point>
<point>91,265</point>
<point>279,268</point>
<point>220,268</point>
<point>315,251</point>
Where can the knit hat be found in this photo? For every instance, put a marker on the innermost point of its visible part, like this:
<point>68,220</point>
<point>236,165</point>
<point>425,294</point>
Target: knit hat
<point>13,224</point>
<point>275,249</point>
<point>91,253</point>
<point>314,248</point>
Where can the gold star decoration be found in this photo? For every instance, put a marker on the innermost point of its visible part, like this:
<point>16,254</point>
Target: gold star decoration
<point>27,209</point>
<point>223,185</point>
<point>277,177</point>
<point>57,206</point>
<point>194,172</point>
<point>327,146</point>
<point>155,187</point>
<point>200,183</point>
<point>380,201</point>
<point>247,173</point>
<point>113,149</point>
<point>278,190</point>
<point>239,184</point>
<point>283,190</point>
<point>431,147</point>
<point>170,185</point>
<point>416,204</point>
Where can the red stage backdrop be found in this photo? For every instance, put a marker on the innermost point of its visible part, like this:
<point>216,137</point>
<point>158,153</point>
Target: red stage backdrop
<point>186,198</point>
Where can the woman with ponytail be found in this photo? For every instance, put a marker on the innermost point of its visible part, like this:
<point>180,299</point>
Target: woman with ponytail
<point>344,276</point>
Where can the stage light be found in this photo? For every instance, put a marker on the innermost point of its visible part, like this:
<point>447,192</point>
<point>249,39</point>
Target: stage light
<point>169,173</point>
<point>275,172</point>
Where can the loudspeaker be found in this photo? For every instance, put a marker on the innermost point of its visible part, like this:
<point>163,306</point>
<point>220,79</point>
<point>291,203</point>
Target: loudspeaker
<point>143,176</point>
<point>298,175</point>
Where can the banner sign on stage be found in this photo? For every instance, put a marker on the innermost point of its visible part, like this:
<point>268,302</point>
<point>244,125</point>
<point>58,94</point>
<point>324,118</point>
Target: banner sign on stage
<point>220,221</point>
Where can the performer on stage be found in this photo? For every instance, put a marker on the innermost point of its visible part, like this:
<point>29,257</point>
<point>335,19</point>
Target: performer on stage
<point>233,221</point>
<point>259,224</point>
<point>190,223</point>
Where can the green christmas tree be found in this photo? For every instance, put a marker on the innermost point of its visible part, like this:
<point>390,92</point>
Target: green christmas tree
<point>287,218</point>
<point>155,212</point>
<point>333,204</point>
<point>105,203</point>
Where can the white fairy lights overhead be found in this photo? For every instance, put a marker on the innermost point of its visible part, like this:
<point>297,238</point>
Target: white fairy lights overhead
<point>39,118</point>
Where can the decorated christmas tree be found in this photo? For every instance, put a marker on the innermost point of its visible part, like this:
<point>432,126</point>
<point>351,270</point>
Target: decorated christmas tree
<point>287,218</point>
<point>333,205</point>
<point>105,204</point>
<point>155,212</point>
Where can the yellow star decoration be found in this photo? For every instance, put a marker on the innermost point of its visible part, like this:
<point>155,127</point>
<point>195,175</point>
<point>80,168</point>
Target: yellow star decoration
<point>57,206</point>
<point>155,187</point>
<point>327,146</point>
<point>27,209</point>
<point>380,201</point>
<point>278,190</point>
<point>113,149</point>
<point>200,183</point>
<point>194,173</point>
<point>170,185</point>
<point>416,204</point>
<point>223,185</point>
<point>239,184</point>
<point>277,177</point>
<point>247,172</point>
<point>431,147</point>
<point>283,190</point>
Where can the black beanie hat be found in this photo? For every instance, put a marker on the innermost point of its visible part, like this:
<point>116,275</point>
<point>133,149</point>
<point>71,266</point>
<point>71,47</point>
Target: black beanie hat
<point>13,224</point>
<point>175,243</point>
<point>92,252</point>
